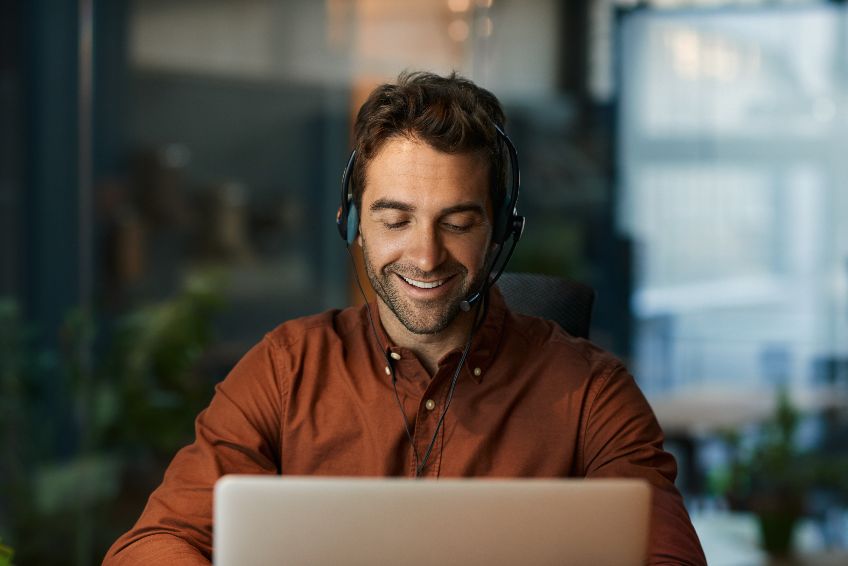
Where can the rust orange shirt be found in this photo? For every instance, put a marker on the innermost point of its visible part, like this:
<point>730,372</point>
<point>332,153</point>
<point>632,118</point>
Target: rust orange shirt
<point>314,398</point>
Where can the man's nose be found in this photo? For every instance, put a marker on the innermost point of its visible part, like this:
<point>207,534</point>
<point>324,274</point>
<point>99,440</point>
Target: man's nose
<point>426,250</point>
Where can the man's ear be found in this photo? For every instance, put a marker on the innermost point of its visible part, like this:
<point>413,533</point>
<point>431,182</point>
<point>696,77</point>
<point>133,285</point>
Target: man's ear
<point>359,238</point>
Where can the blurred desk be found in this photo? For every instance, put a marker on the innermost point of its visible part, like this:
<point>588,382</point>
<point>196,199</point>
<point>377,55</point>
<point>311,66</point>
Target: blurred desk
<point>695,412</point>
<point>698,412</point>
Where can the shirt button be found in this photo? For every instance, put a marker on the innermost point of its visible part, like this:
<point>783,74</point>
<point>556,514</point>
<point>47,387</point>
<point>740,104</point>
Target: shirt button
<point>430,404</point>
<point>388,370</point>
<point>477,372</point>
<point>395,356</point>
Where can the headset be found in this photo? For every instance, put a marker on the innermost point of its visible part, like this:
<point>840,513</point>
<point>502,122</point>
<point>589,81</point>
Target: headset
<point>507,223</point>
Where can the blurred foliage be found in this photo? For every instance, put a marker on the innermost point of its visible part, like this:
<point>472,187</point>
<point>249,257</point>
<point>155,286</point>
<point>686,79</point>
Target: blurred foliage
<point>150,365</point>
<point>84,428</point>
<point>774,476</point>
<point>775,471</point>
<point>6,554</point>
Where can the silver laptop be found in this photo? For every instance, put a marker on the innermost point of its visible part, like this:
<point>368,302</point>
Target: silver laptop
<point>267,520</point>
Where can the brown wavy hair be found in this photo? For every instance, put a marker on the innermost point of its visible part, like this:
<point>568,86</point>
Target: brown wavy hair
<point>451,114</point>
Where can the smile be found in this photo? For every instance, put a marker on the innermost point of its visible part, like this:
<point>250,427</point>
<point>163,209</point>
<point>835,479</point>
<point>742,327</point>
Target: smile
<point>424,284</point>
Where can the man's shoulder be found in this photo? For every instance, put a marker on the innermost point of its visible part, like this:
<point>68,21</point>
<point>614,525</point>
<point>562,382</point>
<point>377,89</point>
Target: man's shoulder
<point>547,338</point>
<point>329,324</point>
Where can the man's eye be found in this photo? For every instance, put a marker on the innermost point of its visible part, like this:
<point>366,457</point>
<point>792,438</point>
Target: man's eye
<point>395,225</point>
<point>457,227</point>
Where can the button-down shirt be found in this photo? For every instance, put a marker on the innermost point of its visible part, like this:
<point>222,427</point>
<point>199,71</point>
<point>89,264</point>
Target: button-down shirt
<point>314,397</point>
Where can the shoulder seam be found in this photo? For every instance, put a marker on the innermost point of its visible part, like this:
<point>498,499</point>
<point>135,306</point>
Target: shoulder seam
<point>610,366</point>
<point>282,382</point>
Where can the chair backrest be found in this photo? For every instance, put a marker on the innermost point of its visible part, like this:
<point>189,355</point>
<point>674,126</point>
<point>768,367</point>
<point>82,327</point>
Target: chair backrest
<point>565,302</point>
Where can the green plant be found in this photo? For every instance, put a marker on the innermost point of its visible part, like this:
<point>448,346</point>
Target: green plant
<point>80,426</point>
<point>775,475</point>
<point>6,554</point>
<point>153,394</point>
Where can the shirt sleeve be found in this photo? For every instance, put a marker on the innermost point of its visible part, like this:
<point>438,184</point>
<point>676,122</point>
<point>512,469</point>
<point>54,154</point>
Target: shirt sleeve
<point>239,432</point>
<point>623,439</point>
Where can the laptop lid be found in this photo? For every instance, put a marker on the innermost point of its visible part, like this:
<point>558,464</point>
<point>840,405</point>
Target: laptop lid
<point>262,520</point>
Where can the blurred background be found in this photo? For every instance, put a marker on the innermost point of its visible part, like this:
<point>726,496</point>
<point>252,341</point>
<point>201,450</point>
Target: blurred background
<point>169,176</point>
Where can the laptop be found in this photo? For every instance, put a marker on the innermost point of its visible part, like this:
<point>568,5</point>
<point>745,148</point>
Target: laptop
<point>268,520</point>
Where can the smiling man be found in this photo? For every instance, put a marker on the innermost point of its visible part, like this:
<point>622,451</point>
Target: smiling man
<point>440,379</point>
<point>425,236</point>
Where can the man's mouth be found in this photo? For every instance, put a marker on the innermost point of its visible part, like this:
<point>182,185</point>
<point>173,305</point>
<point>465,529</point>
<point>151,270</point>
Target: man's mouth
<point>424,284</point>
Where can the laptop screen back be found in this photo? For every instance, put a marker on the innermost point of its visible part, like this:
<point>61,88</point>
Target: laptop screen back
<point>261,520</point>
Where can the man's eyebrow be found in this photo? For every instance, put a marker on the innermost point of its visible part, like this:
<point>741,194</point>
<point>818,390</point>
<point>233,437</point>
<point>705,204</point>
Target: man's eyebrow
<point>464,207</point>
<point>388,204</point>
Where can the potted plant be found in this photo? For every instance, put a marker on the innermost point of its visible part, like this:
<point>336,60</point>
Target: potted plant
<point>772,477</point>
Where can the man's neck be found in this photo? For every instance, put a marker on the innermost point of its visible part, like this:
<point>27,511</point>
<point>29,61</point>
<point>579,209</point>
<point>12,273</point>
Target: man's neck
<point>429,348</point>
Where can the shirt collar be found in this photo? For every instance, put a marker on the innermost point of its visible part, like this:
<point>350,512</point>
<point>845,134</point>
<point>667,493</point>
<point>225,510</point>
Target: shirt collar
<point>484,345</point>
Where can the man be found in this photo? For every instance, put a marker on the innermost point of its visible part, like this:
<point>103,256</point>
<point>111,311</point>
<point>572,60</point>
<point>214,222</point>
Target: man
<point>366,391</point>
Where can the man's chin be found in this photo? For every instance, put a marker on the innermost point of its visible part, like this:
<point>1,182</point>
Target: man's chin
<point>428,330</point>
<point>426,320</point>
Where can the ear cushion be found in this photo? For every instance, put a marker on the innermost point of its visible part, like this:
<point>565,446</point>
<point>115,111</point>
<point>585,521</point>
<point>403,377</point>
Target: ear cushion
<point>347,214</point>
<point>352,224</point>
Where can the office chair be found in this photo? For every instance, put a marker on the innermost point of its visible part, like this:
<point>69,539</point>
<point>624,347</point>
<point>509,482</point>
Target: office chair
<point>567,303</point>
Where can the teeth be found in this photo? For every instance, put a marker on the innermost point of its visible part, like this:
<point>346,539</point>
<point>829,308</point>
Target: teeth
<point>423,284</point>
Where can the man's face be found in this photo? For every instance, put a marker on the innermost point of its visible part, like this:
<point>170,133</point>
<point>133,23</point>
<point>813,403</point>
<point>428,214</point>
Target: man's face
<point>425,231</point>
